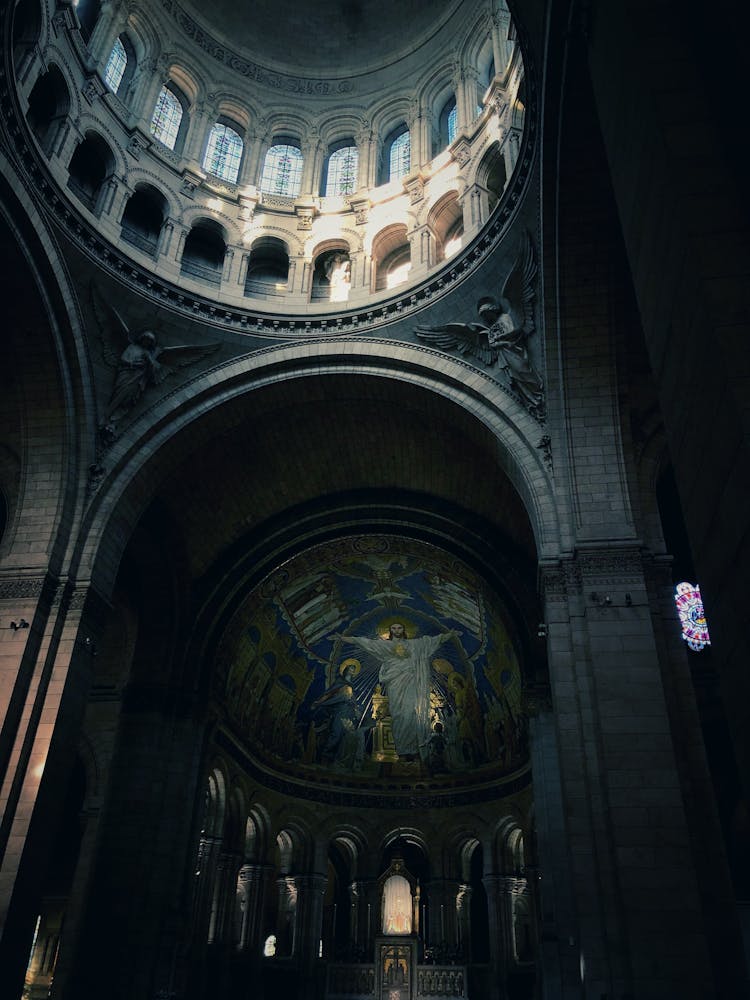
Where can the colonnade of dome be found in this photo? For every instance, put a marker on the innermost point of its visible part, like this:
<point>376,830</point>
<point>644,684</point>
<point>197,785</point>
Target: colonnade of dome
<point>214,183</point>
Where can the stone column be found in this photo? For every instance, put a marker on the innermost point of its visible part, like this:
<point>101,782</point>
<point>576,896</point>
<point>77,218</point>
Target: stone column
<point>498,934</point>
<point>110,22</point>
<point>253,879</point>
<point>312,164</point>
<point>202,116</point>
<point>252,164</point>
<point>228,914</point>
<point>499,33</point>
<point>178,244</point>
<point>165,239</point>
<point>311,890</point>
<point>370,916</point>
<point>463,922</point>
<point>558,953</point>
<point>148,79</point>
<point>45,676</point>
<point>367,145</point>
<point>230,269</point>
<point>355,903</point>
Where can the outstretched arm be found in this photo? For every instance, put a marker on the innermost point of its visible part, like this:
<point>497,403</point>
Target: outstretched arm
<point>373,646</point>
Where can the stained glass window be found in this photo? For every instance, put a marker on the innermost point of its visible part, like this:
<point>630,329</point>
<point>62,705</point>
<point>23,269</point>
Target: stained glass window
<point>115,69</point>
<point>165,124</point>
<point>452,124</point>
<point>342,171</point>
<point>223,153</point>
<point>687,597</point>
<point>282,171</point>
<point>400,156</point>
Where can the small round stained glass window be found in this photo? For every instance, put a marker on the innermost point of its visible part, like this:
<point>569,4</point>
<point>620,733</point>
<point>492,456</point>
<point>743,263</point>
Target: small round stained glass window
<point>687,597</point>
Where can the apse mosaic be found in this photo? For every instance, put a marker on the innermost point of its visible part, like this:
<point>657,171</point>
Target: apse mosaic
<point>375,656</point>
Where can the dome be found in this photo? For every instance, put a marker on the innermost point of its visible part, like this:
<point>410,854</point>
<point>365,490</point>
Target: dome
<point>330,39</point>
<point>353,160</point>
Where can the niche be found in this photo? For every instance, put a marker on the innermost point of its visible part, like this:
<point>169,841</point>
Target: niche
<point>91,165</point>
<point>143,218</point>
<point>203,256</point>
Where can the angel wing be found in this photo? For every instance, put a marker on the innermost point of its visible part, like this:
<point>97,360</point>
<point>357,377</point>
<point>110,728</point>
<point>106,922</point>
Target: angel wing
<point>466,338</point>
<point>185,354</point>
<point>518,290</point>
<point>114,336</point>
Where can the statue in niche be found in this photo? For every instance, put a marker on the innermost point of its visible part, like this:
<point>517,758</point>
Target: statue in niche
<point>505,325</point>
<point>338,271</point>
<point>142,362</point>
<point>397,906</point>
<point>344,745</point>
<point>405,670</point>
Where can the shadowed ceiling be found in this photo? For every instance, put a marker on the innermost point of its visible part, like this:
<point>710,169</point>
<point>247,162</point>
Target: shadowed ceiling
<point>329,38</point>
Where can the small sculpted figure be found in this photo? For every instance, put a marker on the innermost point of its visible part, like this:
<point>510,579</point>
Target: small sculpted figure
<point>505,325</point>
<point>141,364</point>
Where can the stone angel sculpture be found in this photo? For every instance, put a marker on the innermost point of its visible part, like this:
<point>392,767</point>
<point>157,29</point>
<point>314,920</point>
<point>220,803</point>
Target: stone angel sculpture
<point>505,324</point>
<point>140,363</point>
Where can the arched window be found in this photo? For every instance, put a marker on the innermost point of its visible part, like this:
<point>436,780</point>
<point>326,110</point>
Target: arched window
<point>447,125</point>
<point>282,171</point>
<point>167,118</point>
<point>341,173</point>
<point>452,124</point>
<point>687,597</point>
<point>117,63</point>
<point>399,156</point>
<point>223,153</point>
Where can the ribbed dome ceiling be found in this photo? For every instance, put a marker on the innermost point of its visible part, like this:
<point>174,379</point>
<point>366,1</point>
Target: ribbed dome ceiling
<point>330,38</point>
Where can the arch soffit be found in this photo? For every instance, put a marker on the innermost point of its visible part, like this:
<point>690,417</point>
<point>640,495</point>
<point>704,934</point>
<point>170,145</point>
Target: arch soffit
<point>341,126</point>
<point>261,241</point>
<point>286,124</point>
<point>410,833</point>
<point>54,57</point>
<point>437,88</point>
<point>294,245</point>
<point>87,126</point>
<point>44,40</point>
<point>334,243</point>
<point>475,41</point>
<point>139,176</point>
<point>194,214</point>
<point>70,353</point>
<point>446,208</point>
<point>142,34</point>
<point>170,427</point>
<point>233,112</point>
<point>389,115</point>
<point>388,239</point>
<point>189,82</point>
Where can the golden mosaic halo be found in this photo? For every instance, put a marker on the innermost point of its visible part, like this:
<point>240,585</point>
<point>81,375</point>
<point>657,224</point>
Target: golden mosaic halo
<point>351,662</point>
<point>384,626</point>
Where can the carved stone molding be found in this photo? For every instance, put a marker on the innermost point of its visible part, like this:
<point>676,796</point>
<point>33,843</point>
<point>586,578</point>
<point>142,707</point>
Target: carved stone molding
<point>24,588</point>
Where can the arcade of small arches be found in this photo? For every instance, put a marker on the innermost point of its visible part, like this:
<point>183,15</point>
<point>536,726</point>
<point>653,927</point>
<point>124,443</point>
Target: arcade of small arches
<point>260,205</point>
<point>274,884</point>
